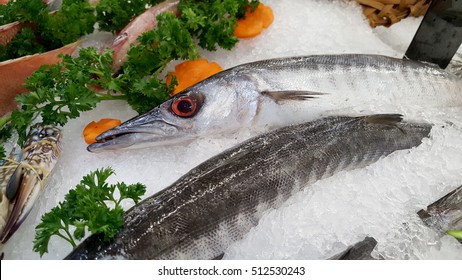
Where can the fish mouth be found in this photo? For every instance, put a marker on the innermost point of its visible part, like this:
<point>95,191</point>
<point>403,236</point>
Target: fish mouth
<point>150,129</point>
<point>124,140</point>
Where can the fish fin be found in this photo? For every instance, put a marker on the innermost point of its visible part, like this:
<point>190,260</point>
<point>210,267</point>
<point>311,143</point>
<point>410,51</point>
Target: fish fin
<point>384,119</point>
<point>14,183</point>
<point>219,257</point>
<point>20,209</point>
<point>299,95</point>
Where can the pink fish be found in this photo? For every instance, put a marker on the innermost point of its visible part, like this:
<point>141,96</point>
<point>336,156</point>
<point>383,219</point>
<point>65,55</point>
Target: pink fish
<point>8,31</point>
<point>141,24</point>
<point>14,72</point>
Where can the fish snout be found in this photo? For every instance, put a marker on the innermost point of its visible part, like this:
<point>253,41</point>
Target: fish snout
<point>152,122</point>
<point>150,127</point>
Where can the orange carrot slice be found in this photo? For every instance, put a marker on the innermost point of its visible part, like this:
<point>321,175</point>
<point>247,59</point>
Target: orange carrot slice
<point>93,129</point>
<point>191,72</point>
<point>254,22</point>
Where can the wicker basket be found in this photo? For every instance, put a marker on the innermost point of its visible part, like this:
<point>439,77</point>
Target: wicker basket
<point>388,12</point>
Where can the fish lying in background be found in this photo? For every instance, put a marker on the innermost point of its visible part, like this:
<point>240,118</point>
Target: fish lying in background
<point>445,213</point>
<point>359,251</point>
<point>240,96</point>
<point>8,31</point>
<point>139,25</point>
<point>15,71</point>
<point>219,201</point>
<point>24,175</point>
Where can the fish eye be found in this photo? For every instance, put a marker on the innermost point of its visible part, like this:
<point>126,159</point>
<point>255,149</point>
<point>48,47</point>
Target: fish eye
<point>185,106</point>
<point>120,38</point>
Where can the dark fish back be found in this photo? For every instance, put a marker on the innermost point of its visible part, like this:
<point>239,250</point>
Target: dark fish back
<point>219,201</point>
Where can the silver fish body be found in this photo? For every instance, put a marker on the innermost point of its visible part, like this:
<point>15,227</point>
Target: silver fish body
<point>219,201</point>
<point>268,93</point>
<point>21,181</point>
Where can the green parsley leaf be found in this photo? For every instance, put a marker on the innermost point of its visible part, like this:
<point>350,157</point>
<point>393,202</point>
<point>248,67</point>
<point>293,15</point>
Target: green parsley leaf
<point>24,43</point>
<point>113,15</point>
<point>44,30</point>
<point>2,153</point>
<point>74,19</point>
<point>87,208</point>
<point>52,224</point>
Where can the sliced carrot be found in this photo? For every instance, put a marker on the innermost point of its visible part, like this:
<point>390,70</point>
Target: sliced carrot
<point>191,72</point>
<point>254,22</point>
<point>266,15</point>
<point>93,129</point>
<point>248,28</point>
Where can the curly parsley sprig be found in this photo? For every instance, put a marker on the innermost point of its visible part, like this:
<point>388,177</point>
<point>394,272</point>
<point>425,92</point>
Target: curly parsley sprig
<point>62,91</point>
<point>45,31</point>
<point>93,206</point>
<point>114,15</point>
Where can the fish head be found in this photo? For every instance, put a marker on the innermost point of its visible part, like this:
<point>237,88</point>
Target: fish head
<point>208,108</point>
<point>43,133</point>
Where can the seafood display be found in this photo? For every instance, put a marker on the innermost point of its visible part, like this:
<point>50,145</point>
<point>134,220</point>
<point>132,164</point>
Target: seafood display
<point>241,94</point>
<point>15,71</point>
<point>315,135</point>
<point>23,176</point>
<point>219,201</point>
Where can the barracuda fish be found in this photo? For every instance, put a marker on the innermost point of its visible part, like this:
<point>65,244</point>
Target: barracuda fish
<point>22,178</point>
<point>252,94</point>
<point>219,201</point>
<point>445,213</point>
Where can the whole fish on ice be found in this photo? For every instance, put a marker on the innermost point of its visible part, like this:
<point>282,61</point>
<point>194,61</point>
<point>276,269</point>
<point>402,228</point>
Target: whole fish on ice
<point>243,95</point>
<point>24,175</point>
<point>219,201</point>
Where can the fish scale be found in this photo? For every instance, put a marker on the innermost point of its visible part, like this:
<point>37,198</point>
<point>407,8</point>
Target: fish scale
<point>219,201</point>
